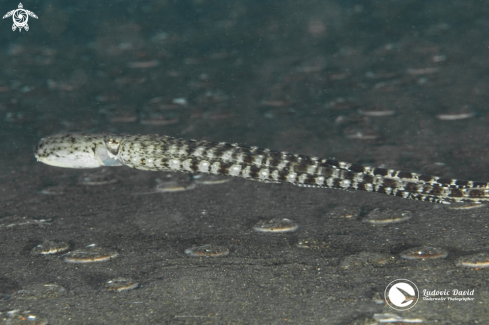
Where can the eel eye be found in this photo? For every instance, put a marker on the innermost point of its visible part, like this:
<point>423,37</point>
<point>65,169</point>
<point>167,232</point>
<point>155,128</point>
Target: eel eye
<point>113,146</point>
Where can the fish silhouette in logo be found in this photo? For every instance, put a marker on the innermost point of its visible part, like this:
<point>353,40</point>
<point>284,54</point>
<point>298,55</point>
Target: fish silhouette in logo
<point>407,295</point>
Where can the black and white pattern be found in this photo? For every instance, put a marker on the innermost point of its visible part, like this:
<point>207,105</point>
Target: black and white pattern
<point>164,153</point>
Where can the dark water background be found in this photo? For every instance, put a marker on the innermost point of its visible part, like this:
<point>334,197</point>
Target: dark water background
<point>71,72</point>
<point>370,82</point>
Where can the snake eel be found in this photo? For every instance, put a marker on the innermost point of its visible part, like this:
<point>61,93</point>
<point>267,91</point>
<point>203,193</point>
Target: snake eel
<point>165,153</point>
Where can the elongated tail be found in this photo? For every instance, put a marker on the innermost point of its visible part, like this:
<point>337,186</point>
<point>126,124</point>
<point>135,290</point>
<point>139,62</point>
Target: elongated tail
<point>154,152</point>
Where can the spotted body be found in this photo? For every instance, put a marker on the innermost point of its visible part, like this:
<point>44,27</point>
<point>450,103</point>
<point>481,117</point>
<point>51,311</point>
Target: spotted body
<point>164,153</point>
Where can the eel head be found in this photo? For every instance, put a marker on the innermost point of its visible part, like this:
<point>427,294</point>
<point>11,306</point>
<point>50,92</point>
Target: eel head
<point>76,150</point>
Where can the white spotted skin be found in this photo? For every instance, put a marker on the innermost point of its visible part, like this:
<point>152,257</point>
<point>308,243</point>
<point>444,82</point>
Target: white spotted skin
<point>235,170</point>
<point>215,168</point>
<point>345,183</point>
<point>204,166</point>
<point>302,178</point>
<point>320,180</point>
<point>164,153</point>
<point>264,174</point>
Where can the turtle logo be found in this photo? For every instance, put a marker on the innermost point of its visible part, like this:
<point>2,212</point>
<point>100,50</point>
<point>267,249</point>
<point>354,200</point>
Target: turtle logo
<point>20,17</point>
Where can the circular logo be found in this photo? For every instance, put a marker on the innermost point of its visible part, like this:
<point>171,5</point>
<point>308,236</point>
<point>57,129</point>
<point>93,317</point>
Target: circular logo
<point>401,294</point>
